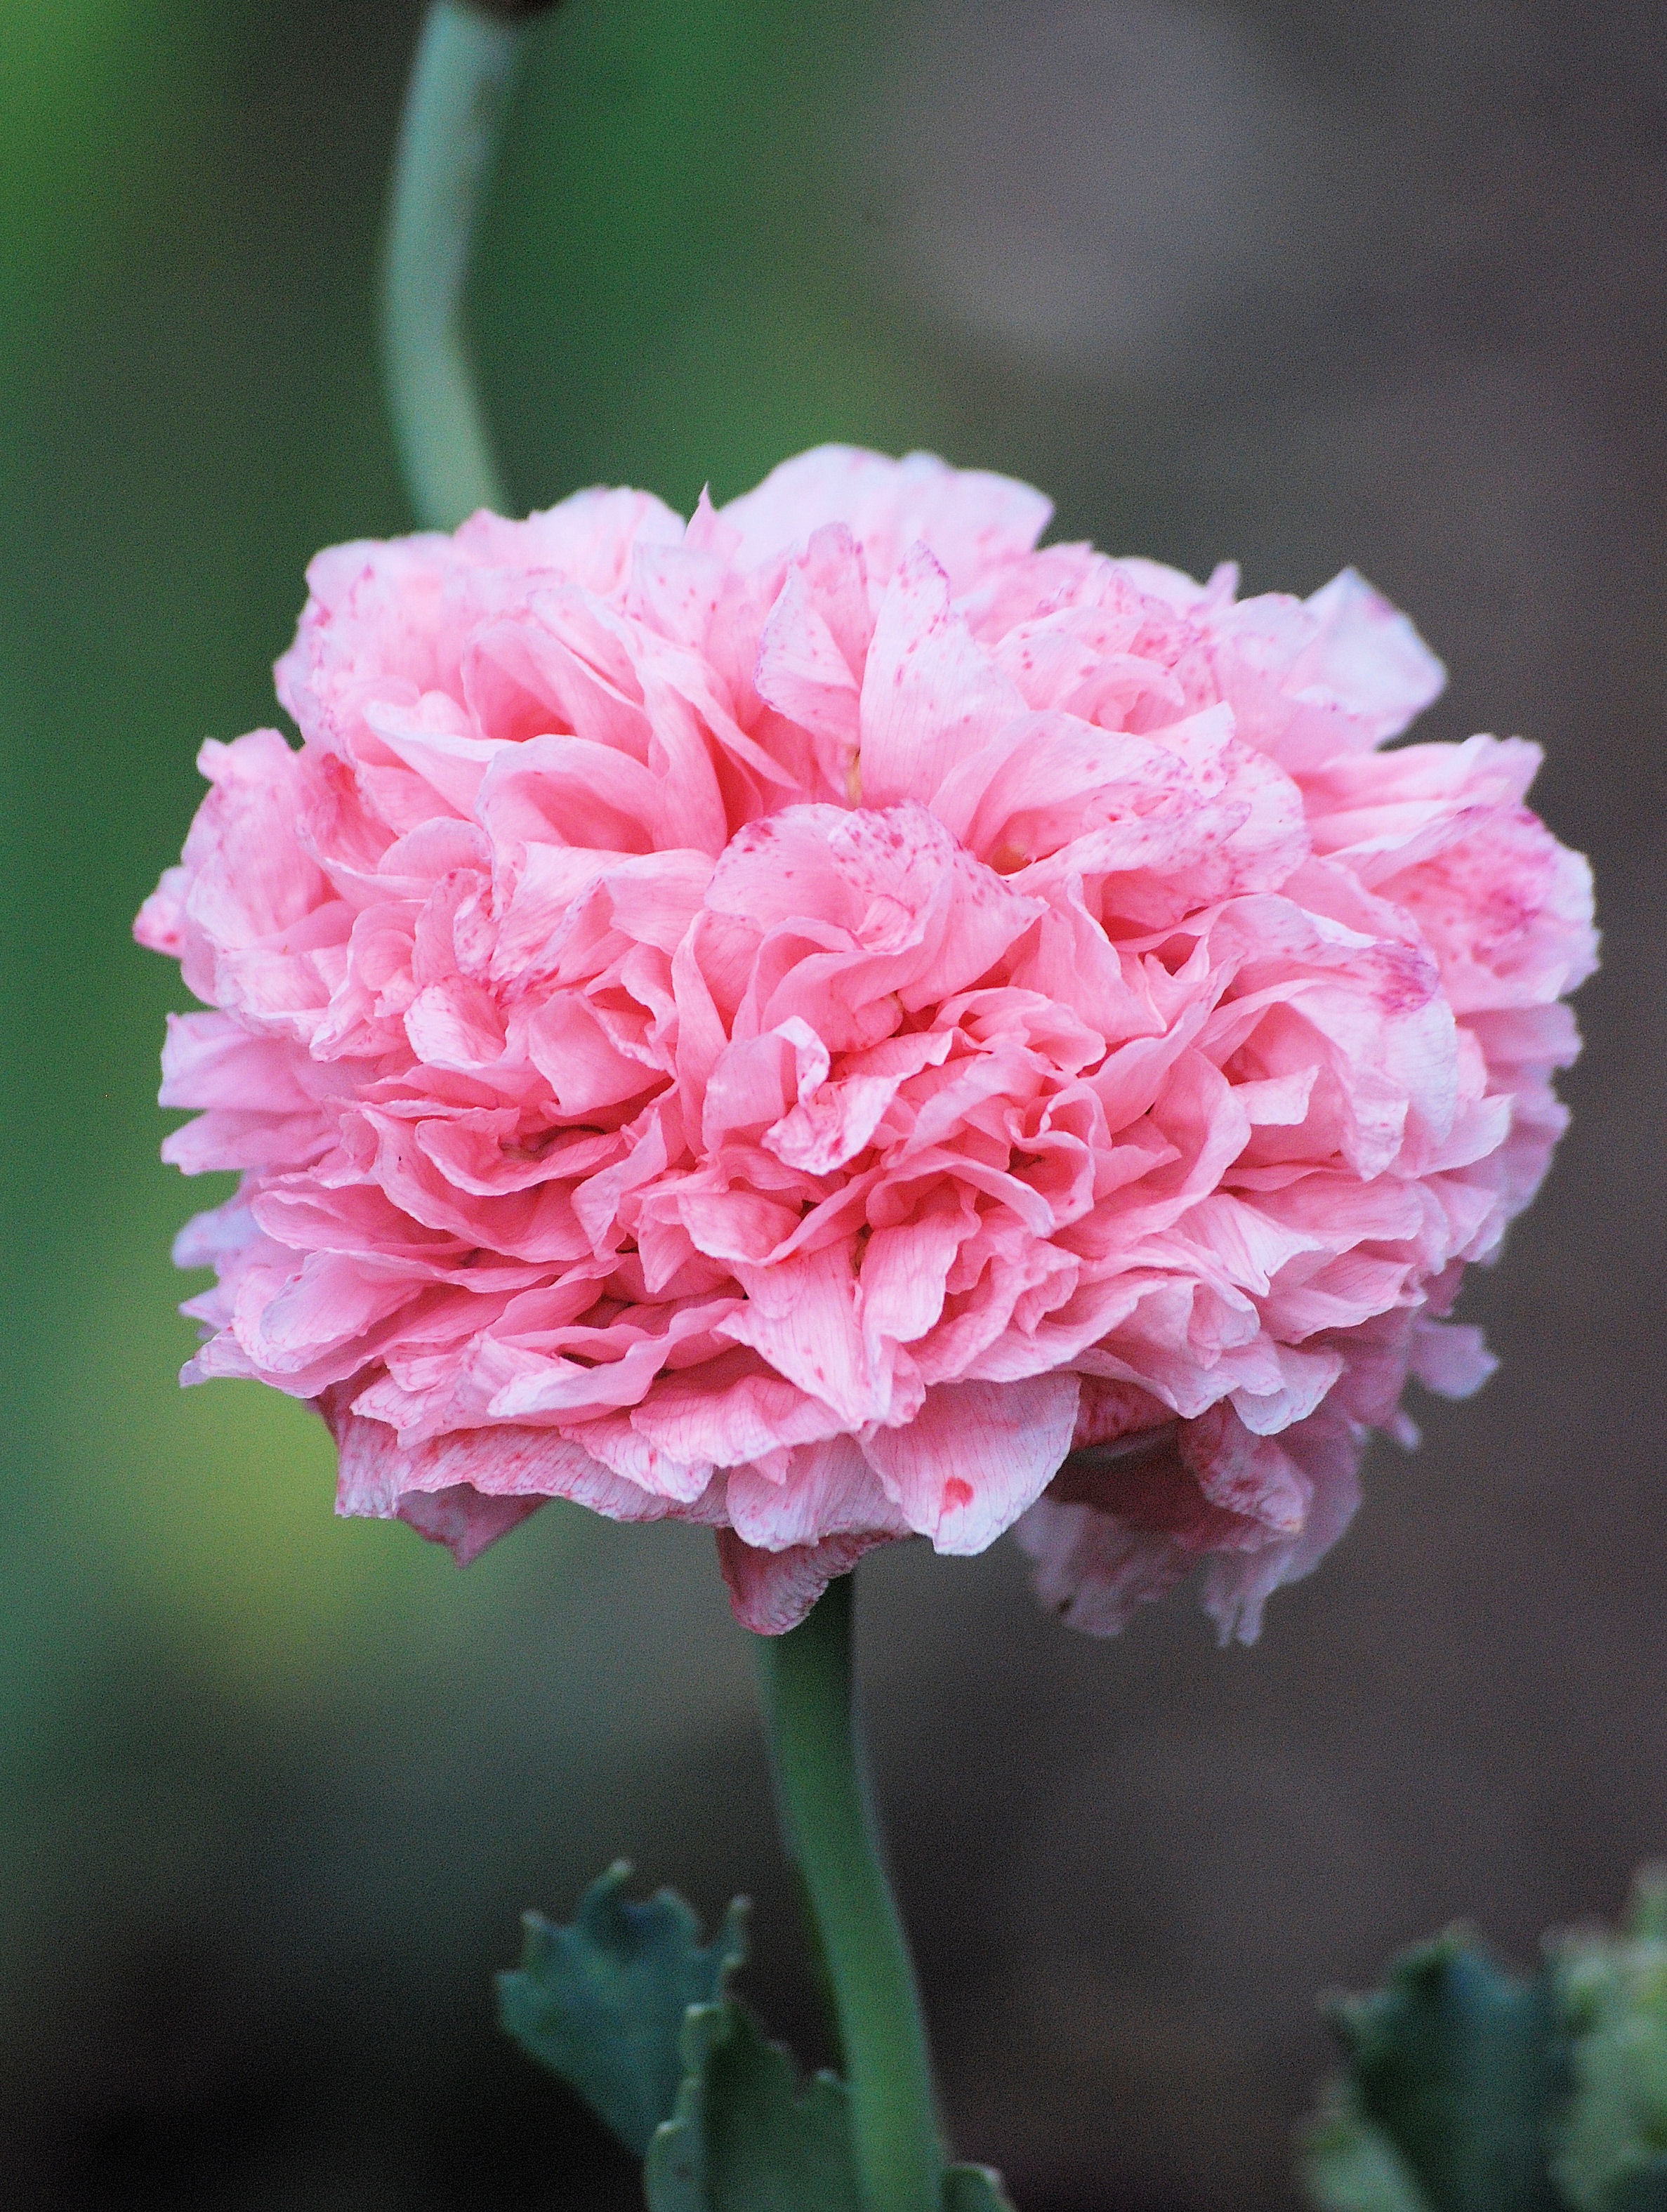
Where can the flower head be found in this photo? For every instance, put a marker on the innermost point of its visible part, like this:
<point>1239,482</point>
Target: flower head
<point>803,1021</point>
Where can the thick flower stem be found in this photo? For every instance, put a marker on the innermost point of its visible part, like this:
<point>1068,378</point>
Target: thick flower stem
<point>829,1828</point>
<point>459,89</point>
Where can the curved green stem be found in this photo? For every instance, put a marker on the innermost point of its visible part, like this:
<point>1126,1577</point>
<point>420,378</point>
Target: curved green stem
<point>829,1827</point>
<point>459,89</point>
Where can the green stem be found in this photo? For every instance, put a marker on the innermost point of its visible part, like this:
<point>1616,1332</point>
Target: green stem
<point>458,90</point>
<point>829,1828</point>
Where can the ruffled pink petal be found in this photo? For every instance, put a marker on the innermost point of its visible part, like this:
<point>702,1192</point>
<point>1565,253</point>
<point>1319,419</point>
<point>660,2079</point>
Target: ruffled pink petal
<point>974,1456</point>
<point>772,1591</point>
<point>970,521</point>
<point>1450,1359</point>
<point>825,1489</point>
<point>467,1489</point>
<point>931,696</point>
<point>1096,1572</point>
<point>1367,654</point>
<point>462,1520</point>
<point>1237,1584</point>
<point>828,1022</point>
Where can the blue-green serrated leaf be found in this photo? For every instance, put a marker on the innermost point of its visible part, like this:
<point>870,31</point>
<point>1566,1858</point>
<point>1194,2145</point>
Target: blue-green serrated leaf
<point>975,2188</point>
<point>1349,2164</point>
<point>1460,2063</point>
<point>1612,2144</point>
<point>745,2137</point>
<point>603,2003</point>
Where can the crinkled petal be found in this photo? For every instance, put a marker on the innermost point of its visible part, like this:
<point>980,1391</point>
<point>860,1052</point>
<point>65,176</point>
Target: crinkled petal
<point>829,1023</point>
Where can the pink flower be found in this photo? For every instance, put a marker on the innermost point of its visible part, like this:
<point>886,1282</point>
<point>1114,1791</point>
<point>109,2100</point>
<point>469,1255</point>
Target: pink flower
<point>795,1021</point>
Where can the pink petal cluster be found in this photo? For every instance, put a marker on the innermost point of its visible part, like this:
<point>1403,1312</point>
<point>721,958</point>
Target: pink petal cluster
<point>801,1021</point>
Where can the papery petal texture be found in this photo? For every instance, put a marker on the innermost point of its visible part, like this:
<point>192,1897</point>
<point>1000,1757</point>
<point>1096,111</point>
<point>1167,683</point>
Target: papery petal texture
<point>831,1023</point>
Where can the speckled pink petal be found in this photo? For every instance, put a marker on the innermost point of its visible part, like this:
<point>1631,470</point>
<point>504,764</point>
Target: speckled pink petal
<point>799,1020</point>
<point>772,1591</point>
<point>974,1456</point>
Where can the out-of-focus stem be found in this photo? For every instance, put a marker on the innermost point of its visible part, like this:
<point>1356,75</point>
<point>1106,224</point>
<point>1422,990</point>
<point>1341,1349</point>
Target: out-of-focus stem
<point>456,102</point>
<point>829,1828</point>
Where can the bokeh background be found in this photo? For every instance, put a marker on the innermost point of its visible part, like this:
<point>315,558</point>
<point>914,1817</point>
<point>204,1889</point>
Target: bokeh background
<point>1303,283</point>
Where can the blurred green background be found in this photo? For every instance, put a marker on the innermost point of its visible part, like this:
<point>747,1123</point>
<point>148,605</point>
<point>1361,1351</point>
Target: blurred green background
<point>1303,284</point>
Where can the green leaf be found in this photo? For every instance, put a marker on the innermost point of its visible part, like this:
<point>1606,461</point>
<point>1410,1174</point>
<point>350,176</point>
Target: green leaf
<point>1458,2063</point>
<point>744,2136</point>
<point>975,2188</point>
<point>602,2004</point>
<point>1349,2164</point>
<point>1612,2146</point>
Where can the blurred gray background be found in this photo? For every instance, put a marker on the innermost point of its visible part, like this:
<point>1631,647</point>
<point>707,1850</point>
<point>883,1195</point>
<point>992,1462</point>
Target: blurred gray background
<point>1304,284</point>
